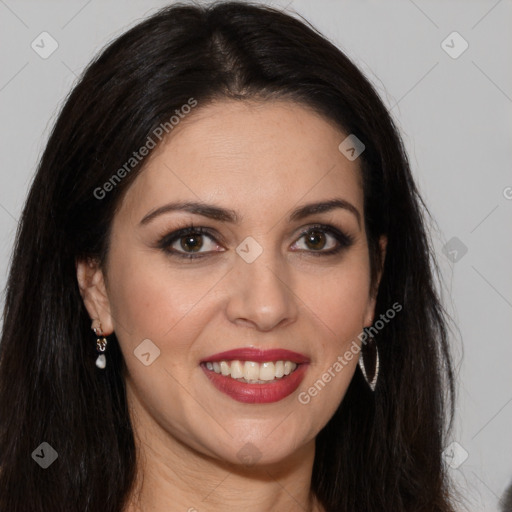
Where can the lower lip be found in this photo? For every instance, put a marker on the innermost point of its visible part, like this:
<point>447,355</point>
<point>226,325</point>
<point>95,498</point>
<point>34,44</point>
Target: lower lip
<point>274,391</point>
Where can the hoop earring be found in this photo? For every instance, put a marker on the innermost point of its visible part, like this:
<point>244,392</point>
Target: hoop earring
<point>369,362</point>
<point>101,346</point>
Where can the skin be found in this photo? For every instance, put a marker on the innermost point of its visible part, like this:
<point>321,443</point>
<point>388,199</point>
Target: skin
<point>261,159</point>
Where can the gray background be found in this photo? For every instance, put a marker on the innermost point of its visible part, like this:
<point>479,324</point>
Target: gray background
<point>455,118</point>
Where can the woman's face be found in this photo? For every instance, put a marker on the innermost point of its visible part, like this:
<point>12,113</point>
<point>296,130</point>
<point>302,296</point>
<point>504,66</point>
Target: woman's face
<point>258,282</point>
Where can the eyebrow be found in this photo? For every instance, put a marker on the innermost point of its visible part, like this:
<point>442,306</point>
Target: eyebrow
<point>228,215</point>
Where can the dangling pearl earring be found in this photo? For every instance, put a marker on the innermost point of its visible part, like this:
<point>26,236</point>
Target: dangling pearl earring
<point>101,346</point>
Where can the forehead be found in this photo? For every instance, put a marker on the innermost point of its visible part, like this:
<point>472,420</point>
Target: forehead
<point>257,155</point>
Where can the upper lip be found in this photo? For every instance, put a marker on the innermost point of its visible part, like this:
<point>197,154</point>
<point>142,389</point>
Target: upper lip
<point>257,355</point>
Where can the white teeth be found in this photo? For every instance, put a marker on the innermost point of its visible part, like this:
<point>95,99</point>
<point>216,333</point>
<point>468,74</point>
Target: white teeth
<point>236,368</point>
<point>251,371</point>
<point>224,368</point>
<point>267,371</point>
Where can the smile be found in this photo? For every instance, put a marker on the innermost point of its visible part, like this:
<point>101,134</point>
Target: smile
<point>251,371</point>
<point>255,376</point>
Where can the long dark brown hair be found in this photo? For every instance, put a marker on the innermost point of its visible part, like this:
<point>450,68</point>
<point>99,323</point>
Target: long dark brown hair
<point>381,451</point>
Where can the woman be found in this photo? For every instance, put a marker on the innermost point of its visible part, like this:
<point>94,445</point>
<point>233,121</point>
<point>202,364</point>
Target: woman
<point>221,294</point>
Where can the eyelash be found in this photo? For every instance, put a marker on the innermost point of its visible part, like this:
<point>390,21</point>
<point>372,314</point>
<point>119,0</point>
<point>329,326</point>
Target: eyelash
<point>344,240</point>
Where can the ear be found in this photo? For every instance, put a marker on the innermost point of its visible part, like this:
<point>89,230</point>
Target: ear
<point>91,282</point>
<point>372,300</point>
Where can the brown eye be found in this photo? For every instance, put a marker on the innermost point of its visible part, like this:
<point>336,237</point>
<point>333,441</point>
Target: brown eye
<point>191,242</point>
<point>188,243</point>
<point>315,239</point>
<point>323,240</point>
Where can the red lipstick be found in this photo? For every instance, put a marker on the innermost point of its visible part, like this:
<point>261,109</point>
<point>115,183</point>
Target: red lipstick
<point>257,355</point>
<point>252,393</point>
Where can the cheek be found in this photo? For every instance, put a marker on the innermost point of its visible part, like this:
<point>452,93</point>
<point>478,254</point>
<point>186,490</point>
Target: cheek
<point>340,301</point>
<point>146,298</point>
<point>153,300</point>
<point>337,309</point>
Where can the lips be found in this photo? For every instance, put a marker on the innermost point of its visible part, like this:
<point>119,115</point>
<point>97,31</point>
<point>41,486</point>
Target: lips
<point>257,355</point>
<point>256,391</point>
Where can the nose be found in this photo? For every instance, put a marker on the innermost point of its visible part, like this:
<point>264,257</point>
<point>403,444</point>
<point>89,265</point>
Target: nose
<point>261,293</point>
